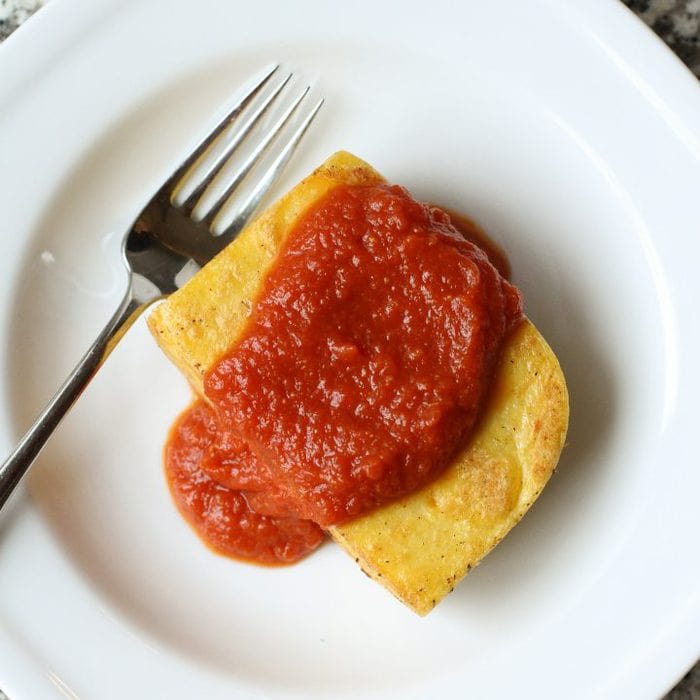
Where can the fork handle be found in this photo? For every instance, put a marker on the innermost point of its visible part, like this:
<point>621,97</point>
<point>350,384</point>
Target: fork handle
<point>29,447</point>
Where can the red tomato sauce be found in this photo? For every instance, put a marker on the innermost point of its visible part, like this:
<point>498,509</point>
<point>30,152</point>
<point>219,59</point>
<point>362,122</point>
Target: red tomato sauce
<point>361,370</point>
<point>219,514</point>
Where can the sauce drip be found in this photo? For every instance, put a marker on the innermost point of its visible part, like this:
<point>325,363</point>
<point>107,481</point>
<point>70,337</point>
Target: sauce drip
<point>221,515</point>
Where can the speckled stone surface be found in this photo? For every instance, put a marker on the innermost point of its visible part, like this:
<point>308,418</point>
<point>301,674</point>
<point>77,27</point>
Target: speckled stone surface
<point>677,22</point>
<point>13,13</point>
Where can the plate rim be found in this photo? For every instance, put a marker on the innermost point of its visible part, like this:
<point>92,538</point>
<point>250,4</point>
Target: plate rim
<point>659,68</point>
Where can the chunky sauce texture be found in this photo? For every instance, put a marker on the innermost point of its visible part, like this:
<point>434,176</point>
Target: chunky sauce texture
<point>198,474</point>
<point>362,369</point>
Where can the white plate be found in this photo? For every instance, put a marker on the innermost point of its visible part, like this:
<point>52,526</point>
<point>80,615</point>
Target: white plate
<point>571,134</point>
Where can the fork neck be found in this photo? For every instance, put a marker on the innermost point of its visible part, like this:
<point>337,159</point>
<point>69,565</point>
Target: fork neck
<point>139,295</point>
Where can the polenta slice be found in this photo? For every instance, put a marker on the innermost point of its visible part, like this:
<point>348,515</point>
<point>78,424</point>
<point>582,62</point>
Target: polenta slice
<point>420,546</point>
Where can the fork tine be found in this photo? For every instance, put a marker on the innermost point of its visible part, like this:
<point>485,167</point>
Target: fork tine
<point>268,178</point>
<point>252,159</point>
<point>173,181</point>
<point>214,167</point>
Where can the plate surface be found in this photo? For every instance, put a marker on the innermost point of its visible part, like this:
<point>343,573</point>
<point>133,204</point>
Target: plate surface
<point>571,134</point>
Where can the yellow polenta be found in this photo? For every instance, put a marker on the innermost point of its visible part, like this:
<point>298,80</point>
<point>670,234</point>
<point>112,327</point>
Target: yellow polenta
<point>421,546</point>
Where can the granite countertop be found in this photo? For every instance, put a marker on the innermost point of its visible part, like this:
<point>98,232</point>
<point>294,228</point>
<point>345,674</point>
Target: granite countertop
<point>677,22</point>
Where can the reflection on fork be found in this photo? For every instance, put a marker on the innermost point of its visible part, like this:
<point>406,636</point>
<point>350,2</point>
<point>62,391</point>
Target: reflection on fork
<point>196,213</point>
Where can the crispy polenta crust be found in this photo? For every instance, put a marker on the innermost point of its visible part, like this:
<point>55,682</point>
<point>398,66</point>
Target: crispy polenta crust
<point>421,546</point>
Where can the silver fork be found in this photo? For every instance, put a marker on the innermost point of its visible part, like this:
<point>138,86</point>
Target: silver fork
<point>166,243</point>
